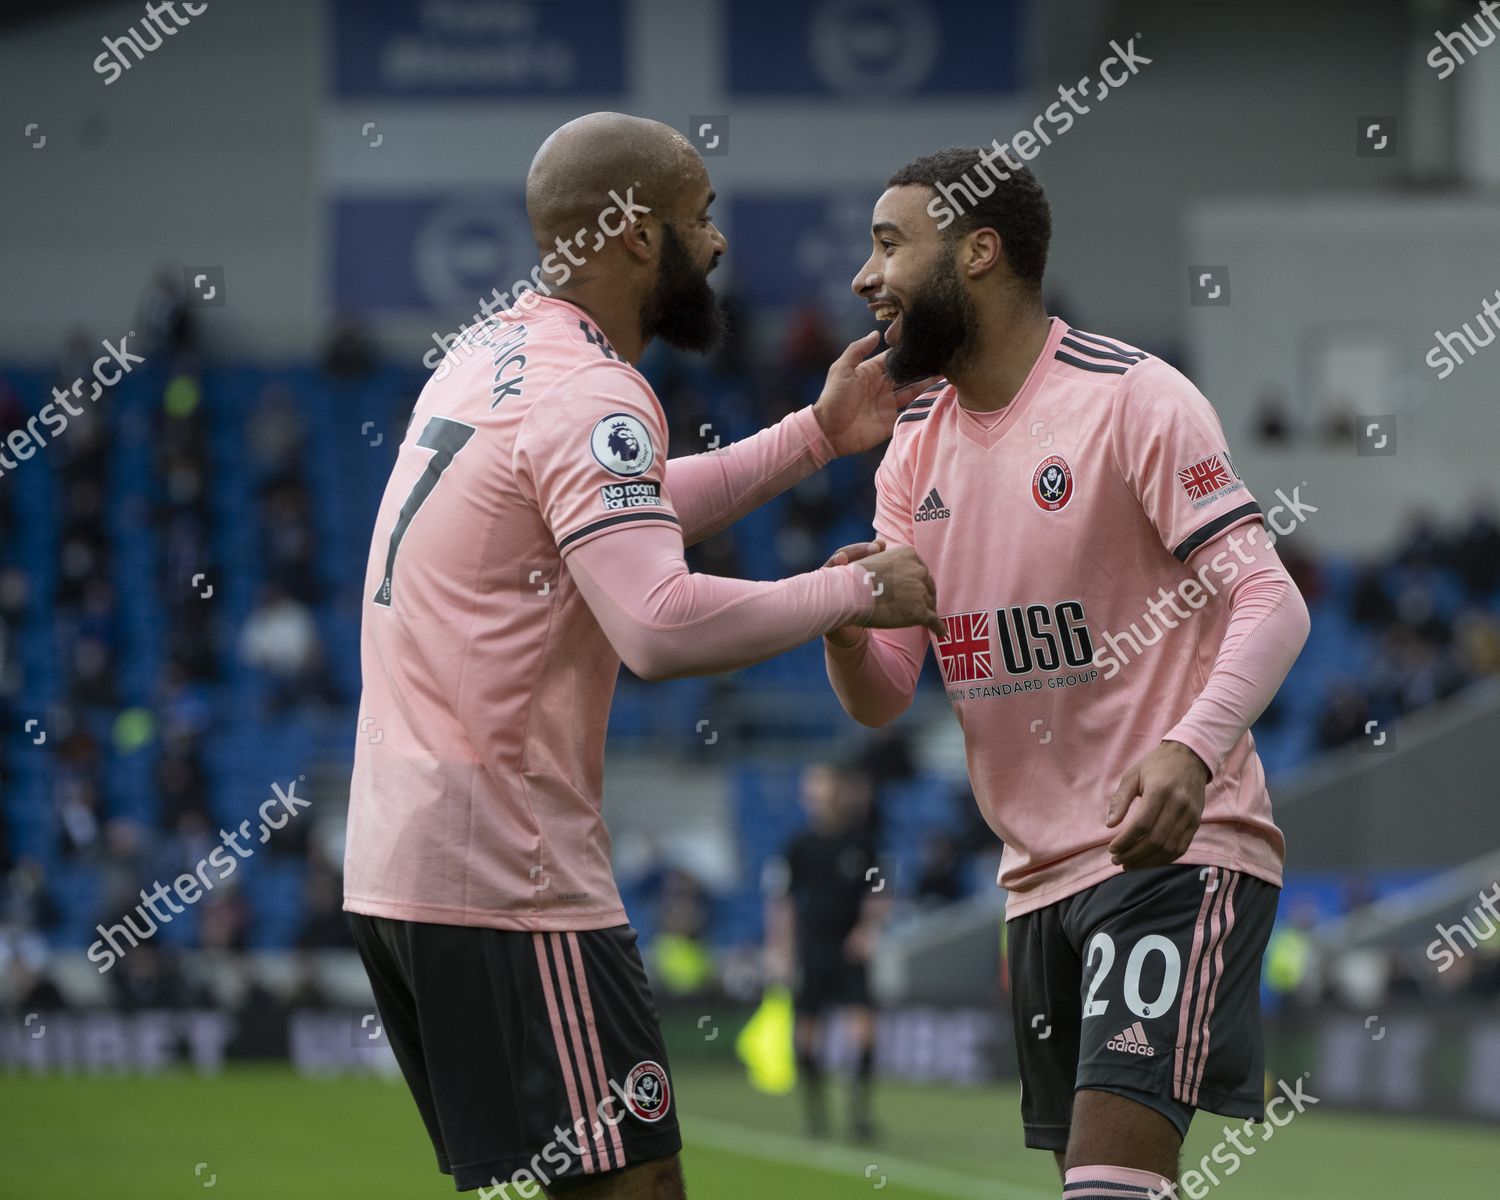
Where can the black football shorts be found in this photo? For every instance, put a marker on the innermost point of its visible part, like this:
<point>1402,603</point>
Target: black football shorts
<point>827,980</point>
<point>534,1058</point>
<point>1146,985</point>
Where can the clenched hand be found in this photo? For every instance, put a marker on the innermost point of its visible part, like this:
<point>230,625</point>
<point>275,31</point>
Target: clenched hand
<point>1163,793</point>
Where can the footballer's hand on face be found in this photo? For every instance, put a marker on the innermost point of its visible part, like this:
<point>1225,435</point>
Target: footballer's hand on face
<point>858,407</point>
<point>1163,795</point>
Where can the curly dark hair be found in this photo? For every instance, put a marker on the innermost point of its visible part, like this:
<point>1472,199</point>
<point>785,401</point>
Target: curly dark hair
<point>1015,206</point>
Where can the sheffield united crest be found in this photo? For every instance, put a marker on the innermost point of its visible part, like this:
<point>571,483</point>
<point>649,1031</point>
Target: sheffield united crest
<point>1052,483</point>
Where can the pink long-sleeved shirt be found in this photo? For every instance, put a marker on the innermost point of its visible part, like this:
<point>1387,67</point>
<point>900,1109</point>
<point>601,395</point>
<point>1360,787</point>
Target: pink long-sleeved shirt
<point>531,535</point>
<point>1094,554</point>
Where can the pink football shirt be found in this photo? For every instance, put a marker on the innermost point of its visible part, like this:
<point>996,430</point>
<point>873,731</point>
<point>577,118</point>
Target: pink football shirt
<point>478,769</point>
<point>1080,625</point>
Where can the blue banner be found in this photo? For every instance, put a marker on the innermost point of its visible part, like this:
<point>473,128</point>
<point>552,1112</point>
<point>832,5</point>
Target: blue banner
<point>438,254</point>
<point>806,246</point>
<point>874,50</point>
<point>455,49</point>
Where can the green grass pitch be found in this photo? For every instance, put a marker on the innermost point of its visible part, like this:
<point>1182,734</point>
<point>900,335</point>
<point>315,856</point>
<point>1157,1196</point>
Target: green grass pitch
<point>265,1134</point>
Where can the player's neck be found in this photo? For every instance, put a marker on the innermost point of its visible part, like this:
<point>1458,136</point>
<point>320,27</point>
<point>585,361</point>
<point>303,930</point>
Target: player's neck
<point>618,318</point>
<point>1008,347</point>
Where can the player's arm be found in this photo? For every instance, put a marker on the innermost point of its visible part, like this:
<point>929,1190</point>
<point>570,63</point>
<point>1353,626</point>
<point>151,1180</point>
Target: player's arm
<point>1268,624</point>
<point>1207,518</point>
<point>874,912</point>
<point>1267,628</point>
<point>874,672</point>
<point>854,413</point>
<point>781,918</point>
<point>666,621</point>
<point>590,464</point>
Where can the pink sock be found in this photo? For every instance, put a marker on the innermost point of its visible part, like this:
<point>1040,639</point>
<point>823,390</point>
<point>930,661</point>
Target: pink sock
<point>1116,1183</point>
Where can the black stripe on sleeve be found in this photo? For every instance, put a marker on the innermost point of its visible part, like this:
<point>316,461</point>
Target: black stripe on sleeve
<point>610,522</point>
<point>1107,344</point>
<point>1105,368</point>
<point>1215,527</point>
<point>921,415</point>
<point>1094,351</point>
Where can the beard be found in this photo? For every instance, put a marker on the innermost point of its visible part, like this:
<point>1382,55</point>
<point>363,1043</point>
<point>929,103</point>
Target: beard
<point>682,309</point>
<point>938,327</point>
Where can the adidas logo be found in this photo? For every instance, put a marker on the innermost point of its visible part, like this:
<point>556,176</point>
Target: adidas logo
<point>1132,1041</point>
<point>932,508</point>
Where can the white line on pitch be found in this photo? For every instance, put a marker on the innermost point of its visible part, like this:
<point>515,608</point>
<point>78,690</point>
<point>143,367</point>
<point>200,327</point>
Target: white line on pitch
<point>776,1147</point>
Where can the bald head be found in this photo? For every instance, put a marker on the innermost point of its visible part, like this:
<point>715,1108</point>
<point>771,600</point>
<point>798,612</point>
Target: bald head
<point>633,196</point>
<point>573,173</point>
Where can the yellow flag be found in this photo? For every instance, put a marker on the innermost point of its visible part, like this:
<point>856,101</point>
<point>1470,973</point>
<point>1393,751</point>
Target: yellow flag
<point>764,1045</point>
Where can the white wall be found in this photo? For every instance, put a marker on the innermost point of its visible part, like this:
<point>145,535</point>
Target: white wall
<point>199,155</point>
<point>1389,274</point>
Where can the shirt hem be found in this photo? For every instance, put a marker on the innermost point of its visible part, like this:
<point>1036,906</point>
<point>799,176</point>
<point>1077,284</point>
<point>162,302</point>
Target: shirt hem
<point>1018,904</point>
<point>531,922</point>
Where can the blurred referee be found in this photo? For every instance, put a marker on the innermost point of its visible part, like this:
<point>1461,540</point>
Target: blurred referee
<point>826,903</point>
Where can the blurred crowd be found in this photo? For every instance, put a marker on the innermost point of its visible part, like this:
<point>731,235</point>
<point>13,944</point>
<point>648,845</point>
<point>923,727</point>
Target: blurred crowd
<point>141,678</point>
<point>1309,967</point>
<point>1430,611</point>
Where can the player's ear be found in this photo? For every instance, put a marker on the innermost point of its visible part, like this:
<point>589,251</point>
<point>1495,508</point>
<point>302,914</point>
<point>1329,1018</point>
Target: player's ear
<point>981,253</point>
<point>641,237</point>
